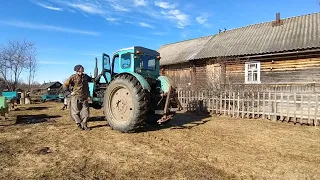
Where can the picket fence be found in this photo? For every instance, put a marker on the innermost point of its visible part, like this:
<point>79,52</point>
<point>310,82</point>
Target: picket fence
<point>293,107</point>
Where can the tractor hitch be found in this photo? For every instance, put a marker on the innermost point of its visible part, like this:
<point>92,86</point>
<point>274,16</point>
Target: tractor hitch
<point>169,111</point>
<point>165,118</point>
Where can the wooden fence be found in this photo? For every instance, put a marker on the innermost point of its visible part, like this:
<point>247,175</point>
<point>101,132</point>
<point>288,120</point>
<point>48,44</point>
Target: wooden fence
<point>294,107</point>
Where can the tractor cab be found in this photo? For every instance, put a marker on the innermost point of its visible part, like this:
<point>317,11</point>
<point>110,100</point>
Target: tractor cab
<point>136,59</point>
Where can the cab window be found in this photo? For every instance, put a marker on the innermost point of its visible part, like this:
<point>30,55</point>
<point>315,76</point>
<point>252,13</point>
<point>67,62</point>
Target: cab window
<point>148,62</point>
<point>126,60</point>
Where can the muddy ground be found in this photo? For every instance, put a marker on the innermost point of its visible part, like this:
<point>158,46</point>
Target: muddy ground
<point>40,142</point>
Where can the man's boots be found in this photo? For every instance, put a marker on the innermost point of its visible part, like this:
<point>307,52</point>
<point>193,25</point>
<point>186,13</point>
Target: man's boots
<point>85,127</point>
<point>79,126</point>
<point>64,107</point>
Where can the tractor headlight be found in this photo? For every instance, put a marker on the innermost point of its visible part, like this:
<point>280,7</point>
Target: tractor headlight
<point>138,70</point>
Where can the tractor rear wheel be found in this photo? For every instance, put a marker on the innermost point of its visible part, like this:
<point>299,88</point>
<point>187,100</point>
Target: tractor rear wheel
<point>125,103</point>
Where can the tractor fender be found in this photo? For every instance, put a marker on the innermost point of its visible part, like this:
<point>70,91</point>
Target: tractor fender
<point>165,83</point>
<point>144,83</point>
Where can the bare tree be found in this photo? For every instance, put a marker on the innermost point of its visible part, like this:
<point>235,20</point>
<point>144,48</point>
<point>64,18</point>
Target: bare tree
<point>15,57</point>
<point>32,67</point>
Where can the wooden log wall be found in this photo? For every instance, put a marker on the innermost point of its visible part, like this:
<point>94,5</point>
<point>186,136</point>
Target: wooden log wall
<point>180,74</point>
<point>284,71</point>
<point>284,75</point>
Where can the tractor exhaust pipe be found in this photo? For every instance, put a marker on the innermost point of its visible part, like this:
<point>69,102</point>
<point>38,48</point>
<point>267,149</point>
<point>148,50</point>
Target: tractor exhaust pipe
<point>96,69</point>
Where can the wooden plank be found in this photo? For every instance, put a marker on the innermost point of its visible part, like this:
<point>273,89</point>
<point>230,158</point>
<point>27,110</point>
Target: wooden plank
<point>302,115</point>
<point>238,112</point>
<point>213,105</point>
<point>270,105</point>
<point>242,105</point>
<point>217,103</point>
<point>189,100</point>
<point>295,107</point>
<point>220,102</point>
<point>224,107</point>
<point>253,103</point>
<point>185,99</point>
<point>212,102</point>
<point>316,111</point>
<point>248,105</point>
<point>281,107</point>
<point>229,103</point>
<point>288,106</point>
<point>275,107</point>
<point>264,105</point>
<point>208,101</point>
<point>309,97</point>
<point>233,103</point>
<point>258,104</point>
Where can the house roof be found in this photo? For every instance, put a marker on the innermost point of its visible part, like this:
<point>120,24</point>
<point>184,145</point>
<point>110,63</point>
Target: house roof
<point>48,85</point>
<point>296,33</point>
<point>182,51</point>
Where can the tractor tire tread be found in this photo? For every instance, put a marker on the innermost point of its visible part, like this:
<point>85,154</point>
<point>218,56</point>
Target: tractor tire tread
<point>141,96</point>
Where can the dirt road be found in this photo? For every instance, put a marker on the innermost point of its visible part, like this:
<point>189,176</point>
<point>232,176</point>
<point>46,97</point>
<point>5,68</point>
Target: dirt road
<point>40,142</point>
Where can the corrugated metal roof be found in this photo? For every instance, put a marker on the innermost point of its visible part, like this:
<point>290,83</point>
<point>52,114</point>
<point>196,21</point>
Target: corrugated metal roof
<point>296,33</point>
<point>182,51</point>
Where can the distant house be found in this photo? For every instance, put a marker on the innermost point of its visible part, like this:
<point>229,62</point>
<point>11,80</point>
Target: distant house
<point>49,88</point>
<point>279,52</point>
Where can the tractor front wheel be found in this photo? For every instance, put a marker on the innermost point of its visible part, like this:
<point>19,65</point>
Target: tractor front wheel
<point>125,103</point>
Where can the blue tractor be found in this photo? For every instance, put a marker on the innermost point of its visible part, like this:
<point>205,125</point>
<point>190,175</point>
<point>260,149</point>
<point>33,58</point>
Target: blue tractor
<point>131,90</point>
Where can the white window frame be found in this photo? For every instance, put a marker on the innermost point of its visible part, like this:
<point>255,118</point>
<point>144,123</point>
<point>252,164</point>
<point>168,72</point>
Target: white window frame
<point>252,70</point>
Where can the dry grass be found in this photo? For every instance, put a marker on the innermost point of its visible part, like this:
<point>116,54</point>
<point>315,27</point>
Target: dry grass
<point>40,142</point>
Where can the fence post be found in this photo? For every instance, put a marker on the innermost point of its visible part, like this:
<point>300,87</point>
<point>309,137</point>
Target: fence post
<point>301,102</point>
<point>295,107</point>
<point>316,111</point>
<point>281,107</point>
<point>242,105</point>
<point>270,105</point>
<point>233,105</point>
<point>253,103</point>
<point>258,105</point>
<point>220,102</point>
<point>217,103</point>
<point>229,106</point>
<point>288,107</point>
<point>248,105</point>
<point>225,103</point>
<point>264,105</point>
<point>274,107</point>
<point>238,113</point>
<point>309,96</point>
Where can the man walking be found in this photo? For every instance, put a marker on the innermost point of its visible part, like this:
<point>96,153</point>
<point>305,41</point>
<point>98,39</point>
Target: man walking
<point>79,96</point>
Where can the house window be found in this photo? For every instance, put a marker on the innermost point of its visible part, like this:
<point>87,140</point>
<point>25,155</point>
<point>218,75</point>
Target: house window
<point>252,72</point>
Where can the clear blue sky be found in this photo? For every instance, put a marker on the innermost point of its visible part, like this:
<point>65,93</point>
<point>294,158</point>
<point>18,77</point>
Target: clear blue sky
<point>76,31</point>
